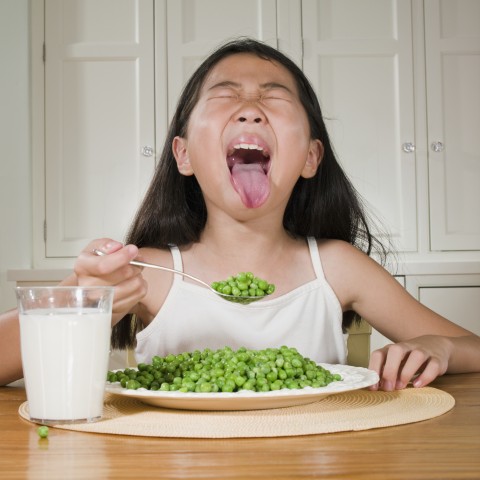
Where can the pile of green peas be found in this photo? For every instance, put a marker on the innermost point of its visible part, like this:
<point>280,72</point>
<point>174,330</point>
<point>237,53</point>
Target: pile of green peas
<point>226,370</point>
<point>244,284</point>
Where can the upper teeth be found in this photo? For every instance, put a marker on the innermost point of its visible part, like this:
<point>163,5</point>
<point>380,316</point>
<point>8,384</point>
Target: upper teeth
<point>248,146</point>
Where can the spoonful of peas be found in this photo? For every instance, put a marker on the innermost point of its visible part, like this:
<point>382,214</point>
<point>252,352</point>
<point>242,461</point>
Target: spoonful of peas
<point>243,288</point>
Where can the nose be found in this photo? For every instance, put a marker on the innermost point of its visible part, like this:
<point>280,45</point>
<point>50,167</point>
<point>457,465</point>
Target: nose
<point>250,112</point>
<point>245,119</point>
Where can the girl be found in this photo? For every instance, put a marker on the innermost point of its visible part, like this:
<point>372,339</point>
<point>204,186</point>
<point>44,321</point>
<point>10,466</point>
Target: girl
<point>248,181</point>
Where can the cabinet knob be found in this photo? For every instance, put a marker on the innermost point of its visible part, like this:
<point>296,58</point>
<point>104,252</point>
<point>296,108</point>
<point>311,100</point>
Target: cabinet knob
<point>408,147</point>
<point>147,151</point>
<point>437,146</point>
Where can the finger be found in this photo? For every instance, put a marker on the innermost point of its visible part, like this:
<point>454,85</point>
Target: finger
<point>396,355</point>
<point>377,359</point>
<point>89,264</point>
<point>105,245</point>
<point>432,370</point>
<point>117,265</point>
<point>128,294</point>
<point>85,260</point>
<point>414,363</point>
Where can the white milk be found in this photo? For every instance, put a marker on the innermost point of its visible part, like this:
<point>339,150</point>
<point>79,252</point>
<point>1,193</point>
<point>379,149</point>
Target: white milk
<point>65,362</point>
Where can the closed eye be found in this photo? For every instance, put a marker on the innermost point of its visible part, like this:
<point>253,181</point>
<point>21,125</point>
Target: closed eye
<point>225,96</point>
<point>276,95</point>
<point>224,90</point>
<point>273,97</point>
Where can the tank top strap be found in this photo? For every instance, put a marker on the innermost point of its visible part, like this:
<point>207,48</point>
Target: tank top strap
<point>177,259</point>
<point>315,257</point>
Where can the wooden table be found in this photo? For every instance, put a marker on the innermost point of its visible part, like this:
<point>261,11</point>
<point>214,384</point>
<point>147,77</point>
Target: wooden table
<point>445,447</point>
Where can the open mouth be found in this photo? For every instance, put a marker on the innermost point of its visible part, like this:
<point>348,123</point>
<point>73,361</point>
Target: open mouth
<point>249,164</point>
<point>248,153</point>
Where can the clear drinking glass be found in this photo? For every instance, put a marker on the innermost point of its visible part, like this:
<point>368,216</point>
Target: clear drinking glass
<point>65,343</point>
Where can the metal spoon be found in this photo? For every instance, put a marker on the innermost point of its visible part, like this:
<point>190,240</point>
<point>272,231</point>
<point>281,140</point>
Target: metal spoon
<point>230,298</point>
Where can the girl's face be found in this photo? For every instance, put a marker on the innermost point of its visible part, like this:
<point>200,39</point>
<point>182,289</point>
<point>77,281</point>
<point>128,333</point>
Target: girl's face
<point>248,138</point>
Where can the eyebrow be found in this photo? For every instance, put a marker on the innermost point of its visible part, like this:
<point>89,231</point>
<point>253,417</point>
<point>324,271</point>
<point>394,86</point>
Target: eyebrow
<point>263,86</point>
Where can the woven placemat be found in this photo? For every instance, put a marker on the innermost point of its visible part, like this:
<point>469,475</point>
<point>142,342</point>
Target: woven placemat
<point>349,411</point>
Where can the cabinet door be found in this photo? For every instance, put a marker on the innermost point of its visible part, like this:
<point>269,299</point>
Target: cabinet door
<point>99,114</point>
<point>459,304</point>
<point>200,26</point>
<point>452,38</point>
<point>455,296</point>
<point>358,56</point>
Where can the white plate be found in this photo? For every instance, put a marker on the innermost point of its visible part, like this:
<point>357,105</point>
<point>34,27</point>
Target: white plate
<point>353,378</point>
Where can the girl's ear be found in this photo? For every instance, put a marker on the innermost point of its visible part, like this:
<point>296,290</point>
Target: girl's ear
<point>180,152</point>
<point>314,157</point>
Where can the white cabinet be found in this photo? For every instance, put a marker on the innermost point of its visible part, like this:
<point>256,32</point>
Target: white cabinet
<point>383,70</point>
<point>392,78</point>
<point>359,57</point>
<point>452,46</point>
<point>99,119</point>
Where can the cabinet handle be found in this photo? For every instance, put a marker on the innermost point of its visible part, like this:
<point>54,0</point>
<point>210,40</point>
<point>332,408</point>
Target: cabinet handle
<point>408,147</point>
<point>147,151</point>
<point>437,146</point>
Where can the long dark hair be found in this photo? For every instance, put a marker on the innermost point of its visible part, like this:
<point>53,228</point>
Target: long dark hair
<point>174,212</point>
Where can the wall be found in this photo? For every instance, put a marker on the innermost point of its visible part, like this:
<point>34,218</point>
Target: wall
<point>15,170</point>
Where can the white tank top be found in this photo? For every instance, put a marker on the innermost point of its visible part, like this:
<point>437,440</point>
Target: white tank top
<point>192,317</point>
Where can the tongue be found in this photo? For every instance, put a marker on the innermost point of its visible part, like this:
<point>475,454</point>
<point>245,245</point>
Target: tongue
<point>251,183</point>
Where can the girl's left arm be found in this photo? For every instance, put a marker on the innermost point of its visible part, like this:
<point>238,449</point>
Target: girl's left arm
<point>426,344</point>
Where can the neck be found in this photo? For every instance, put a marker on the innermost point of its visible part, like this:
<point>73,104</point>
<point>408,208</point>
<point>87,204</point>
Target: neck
<point>246,239</point>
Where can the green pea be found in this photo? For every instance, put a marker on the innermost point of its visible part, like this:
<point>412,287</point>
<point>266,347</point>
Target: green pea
<point>276,385</point>
<point>227,387</point>
<point>249,385</point>
<point>42,431</point>
<point>262,285</point>
<point>133,384</point>
<point>242,286</point>
<point>241,277</point>
<point>272,376</point>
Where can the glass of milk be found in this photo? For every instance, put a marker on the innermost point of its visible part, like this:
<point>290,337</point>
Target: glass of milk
<point>65,343</point>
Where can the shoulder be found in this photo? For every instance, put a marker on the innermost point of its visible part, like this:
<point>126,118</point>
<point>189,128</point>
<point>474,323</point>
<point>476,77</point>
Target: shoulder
<point>340,253</point>
<point>341,258</point>
<point>349,270</point>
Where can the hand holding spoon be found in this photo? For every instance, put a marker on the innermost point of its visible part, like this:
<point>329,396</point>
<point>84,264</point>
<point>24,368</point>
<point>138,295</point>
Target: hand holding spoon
<point>243,300</point>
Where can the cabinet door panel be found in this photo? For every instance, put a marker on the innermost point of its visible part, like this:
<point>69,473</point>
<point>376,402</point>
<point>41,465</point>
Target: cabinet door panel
<point>99,114</point>
<point>459,304</point>
<point>452,35</point>
<point>363,74</point>
<point>202,26</point>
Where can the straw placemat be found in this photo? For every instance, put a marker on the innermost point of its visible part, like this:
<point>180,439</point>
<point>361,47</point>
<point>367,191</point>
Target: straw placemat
<point>356,410</point>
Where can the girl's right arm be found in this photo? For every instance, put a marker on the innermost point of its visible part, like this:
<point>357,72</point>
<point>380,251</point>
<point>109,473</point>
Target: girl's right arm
<point>90,269</point>
<point>10,361</point>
